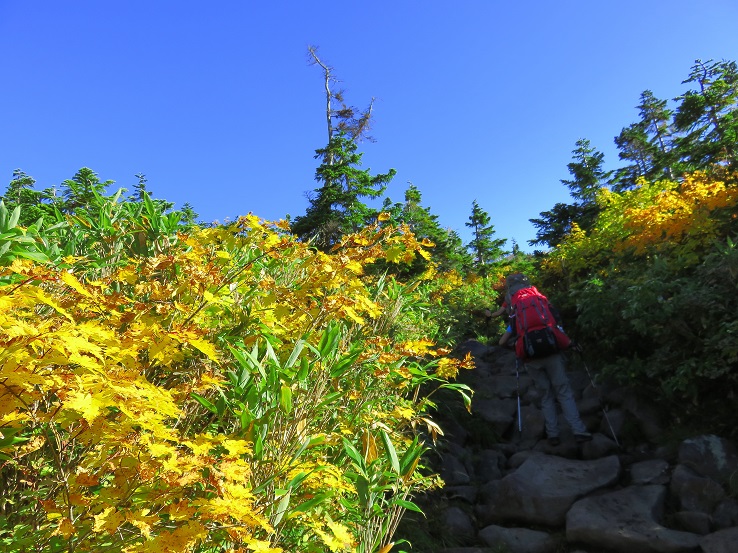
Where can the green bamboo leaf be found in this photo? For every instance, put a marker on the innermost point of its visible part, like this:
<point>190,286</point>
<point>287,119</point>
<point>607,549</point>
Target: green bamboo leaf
<point>410,457</point>
<point>295,354</point>
<point>205,403</point>
<point>362,488</point>
<point>33,256</point>
<point>345,363</point>
<point>391,451</point>
<point>355,455</point>
<point>14,217</point>
<point>281,508</point>
<point>409,505</point>
<point>311,503</point>
<point>285,398</point>
<point>304,369</point>
<point>329,341</point>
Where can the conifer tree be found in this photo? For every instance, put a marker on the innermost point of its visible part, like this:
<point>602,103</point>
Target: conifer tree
<point>484,247</point>
<point>448,251</point>
<point>337,207</point>
<point>79,191</point>
<point>588,176</point>
<point>707,116</point>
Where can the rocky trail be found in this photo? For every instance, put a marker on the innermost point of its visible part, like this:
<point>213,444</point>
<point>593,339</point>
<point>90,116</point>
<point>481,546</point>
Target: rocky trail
<point>509,491</point>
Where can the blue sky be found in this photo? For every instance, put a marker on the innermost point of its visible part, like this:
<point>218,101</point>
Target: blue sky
<point>216,102</point>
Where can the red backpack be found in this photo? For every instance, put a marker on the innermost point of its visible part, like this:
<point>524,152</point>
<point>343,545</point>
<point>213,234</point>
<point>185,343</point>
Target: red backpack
<point>535,325</point>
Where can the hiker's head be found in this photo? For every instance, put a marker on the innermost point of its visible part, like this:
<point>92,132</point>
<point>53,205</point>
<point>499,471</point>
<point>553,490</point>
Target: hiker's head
<point>516,279</point>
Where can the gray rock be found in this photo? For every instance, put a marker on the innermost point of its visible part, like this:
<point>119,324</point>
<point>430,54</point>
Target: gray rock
<point>459,525</point>
<point>691,521</point>
<point>488,493</point>
<point>543,489</point>
<point>589,406</point>
<point>695,493</point>
<point>518,540</point>
<point>476,348</point>
<point>725,514</point>
<point>654,471</point>
<point>521,457</point>
<point>532,423</point>
<point>680,476</point>
<point>499,413</point>
<point>627,520</point>
<point>710,456</point>
<point>506,386</point>
<point>468,494</point>
<point>465,550</point>
<point>489,465</point>
<point>568,448</point>
<point>701,495</point>
<point>600,446</point>
<point>453,471</point>
<point>722,541</point>
<point>579,382</point>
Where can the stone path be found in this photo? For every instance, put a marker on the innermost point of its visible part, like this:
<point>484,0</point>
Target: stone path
<point>508,491</point>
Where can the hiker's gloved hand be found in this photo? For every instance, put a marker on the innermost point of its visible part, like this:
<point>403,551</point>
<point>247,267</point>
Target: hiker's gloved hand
<point>576,346</point>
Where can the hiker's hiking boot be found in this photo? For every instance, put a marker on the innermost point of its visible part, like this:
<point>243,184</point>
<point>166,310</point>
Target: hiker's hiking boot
<point>554,441</point>
<point>583,437</point>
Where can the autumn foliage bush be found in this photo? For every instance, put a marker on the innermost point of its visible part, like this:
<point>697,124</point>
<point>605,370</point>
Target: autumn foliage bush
<point>210,389</point>
<point>654,286</point>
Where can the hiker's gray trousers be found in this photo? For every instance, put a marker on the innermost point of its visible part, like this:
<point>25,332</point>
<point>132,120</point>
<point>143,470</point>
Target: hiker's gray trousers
<point>549,375</point>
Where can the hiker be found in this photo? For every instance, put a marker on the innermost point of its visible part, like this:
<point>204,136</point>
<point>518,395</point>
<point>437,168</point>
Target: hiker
<point>539,345</point>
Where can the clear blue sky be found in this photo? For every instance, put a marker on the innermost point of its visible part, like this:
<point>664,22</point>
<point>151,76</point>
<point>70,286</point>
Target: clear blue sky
<point>215,101</point>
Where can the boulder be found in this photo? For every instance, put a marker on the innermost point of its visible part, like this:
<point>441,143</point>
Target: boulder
<point>543,489</point>
<point>458,524</point>
<point>499,413</point>
<point>694,492</point>
<point>453,471</point>
<point>489,465</point>
<point>600,446</point>
<point>722,541</point>
<point>695,522</point>
<point>627,520</point>
<point>653,471</point>
<point>710,456</point>
<point>517,540</point>
<point>725,514</point>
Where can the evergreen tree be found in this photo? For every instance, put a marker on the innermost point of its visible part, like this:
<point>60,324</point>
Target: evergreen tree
<point>139,189</point>
<point>20,192</point>
<point>655,120</point>
<point>634,147</point>
<point>448,251</point>
<point>588,177</point>
<point>336,208</point>
<point>79,191</point>
<point>708,116</point>
<point>189,216</point>
<point>485,249</point>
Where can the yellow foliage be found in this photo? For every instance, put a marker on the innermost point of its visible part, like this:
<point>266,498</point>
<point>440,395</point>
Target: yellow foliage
<point>653,217</point>
<point>101,374</point>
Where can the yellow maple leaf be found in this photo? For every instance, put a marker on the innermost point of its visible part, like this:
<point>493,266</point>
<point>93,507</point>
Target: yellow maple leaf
<point>394,254</point>
<point>70,280</point>
<point>84,404</point>
<point>205,347</point>
<point>108,521</point>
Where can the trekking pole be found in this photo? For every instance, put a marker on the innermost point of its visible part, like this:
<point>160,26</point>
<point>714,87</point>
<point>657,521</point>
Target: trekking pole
<point>604,411</point>
<point>517,379</point>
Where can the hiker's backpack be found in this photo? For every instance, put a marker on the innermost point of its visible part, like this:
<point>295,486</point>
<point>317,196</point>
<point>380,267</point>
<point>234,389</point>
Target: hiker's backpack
<point>536,327</point>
